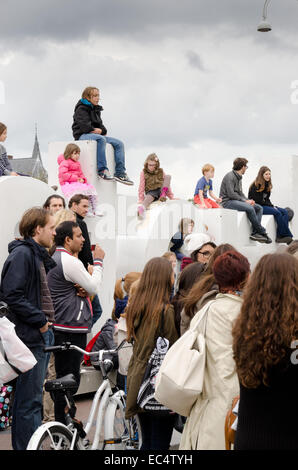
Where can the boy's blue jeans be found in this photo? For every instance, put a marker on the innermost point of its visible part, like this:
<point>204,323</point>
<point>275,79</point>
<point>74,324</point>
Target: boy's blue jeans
<point>27,405</point>
<point>101,152</point>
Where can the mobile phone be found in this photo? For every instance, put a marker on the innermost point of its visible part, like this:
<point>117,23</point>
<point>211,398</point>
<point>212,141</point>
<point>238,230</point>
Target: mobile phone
<point>93,247</point>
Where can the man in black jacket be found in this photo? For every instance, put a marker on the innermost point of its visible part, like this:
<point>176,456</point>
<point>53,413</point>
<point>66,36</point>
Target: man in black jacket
<point>79,204</point>
<point>24,288</point>
<point>88,125</point>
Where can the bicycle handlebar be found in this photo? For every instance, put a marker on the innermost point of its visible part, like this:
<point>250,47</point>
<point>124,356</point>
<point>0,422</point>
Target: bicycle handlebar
<point>66,346</point>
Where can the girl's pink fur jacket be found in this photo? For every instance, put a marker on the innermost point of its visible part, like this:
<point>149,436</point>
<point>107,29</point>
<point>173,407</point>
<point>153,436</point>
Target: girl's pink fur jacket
<point>69,171</point>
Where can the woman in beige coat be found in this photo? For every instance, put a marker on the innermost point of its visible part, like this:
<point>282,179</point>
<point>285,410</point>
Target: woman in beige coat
<point>204,428</point>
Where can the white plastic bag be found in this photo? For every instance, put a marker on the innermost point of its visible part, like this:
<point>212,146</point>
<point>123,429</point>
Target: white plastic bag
<point>17,353</point>
<point>180,379</point>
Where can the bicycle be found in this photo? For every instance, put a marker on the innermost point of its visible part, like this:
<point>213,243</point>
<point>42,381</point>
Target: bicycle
<point>119,433</point>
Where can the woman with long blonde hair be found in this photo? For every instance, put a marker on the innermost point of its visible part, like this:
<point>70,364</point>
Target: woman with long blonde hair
<point>149,310</point>
<point>263,337</point>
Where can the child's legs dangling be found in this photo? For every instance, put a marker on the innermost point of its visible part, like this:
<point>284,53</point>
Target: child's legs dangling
<point>93,202</point>
<point>147,201</point>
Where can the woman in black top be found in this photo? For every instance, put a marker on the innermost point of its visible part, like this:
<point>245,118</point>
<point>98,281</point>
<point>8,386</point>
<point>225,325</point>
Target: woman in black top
<point>264,340</point>
<point>260,192</point>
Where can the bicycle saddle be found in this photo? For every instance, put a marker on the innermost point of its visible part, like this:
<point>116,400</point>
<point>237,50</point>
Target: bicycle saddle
<point>68,382</point>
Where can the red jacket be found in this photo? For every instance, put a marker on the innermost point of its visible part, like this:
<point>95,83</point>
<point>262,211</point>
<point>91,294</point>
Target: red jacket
<point>69,171</point>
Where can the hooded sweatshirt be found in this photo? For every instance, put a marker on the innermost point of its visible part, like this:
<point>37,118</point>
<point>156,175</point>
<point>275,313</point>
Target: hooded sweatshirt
<point>21,288</point>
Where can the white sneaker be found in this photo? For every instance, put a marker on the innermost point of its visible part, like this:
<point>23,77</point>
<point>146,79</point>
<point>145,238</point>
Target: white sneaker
<point>99,213</point>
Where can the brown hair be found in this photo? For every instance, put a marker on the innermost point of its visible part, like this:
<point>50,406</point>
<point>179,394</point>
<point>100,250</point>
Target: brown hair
<point>260,182</point>
<point>48,201</point>
<point>206,282</point>
<point>32,218</point>
<point>152,294</point>
<point>76,199</point>
<point>230,271</point>
<point>184,223</point>
<point>239,163</point>
<point>154,158</point>
<point>87,93</point>
<point>2,128</point>
<point>207,167</point>
<point>69,149</point>
<point>268,320</point>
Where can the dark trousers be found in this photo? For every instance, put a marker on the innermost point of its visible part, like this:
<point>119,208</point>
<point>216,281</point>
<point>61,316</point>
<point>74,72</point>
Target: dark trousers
<point>156,431</point>
<point>67,362</point>
<point>282,220</point>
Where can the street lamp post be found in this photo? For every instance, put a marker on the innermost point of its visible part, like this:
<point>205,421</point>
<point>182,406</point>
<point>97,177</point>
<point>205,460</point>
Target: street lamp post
<point>264,26</point>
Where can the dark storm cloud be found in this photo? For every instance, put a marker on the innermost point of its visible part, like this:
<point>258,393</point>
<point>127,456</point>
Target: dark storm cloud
<point>76,19</point>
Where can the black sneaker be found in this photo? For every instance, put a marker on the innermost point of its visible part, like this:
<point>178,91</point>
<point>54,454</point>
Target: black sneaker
<point>260,237</point>
<point>123,179</point>
<point>105,175</point>
<point>286,240</point>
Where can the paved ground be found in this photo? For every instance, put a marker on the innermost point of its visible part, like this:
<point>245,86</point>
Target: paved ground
<point>83,403</point>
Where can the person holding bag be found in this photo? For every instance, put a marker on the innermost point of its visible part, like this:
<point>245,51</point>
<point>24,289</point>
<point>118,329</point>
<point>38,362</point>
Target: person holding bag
<point>150,303</point>
<point>204,428</point>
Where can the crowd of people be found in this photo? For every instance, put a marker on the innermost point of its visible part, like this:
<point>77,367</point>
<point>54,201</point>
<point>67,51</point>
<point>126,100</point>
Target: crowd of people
<point>51,282</point>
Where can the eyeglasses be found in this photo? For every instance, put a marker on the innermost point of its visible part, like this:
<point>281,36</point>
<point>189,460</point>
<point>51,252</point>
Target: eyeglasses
<point>207,254</point>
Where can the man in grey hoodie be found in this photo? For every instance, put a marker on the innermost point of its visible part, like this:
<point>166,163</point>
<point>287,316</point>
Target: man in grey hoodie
<point>233,198</point>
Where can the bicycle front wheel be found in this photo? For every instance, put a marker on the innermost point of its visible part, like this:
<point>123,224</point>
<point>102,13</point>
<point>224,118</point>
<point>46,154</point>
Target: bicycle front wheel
<point>52,436</point>
<point>121,433</point>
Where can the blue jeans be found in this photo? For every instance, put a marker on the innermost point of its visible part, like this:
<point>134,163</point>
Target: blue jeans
<point>97,310</point>
<point>101,152</point>
<point>27,405</point>
<point>254,213</point>
<point>282,220</point>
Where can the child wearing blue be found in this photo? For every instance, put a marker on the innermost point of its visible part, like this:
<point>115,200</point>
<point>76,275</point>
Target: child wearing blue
<point>203,187</point>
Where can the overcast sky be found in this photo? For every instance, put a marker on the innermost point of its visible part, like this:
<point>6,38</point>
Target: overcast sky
<point>193,81</point>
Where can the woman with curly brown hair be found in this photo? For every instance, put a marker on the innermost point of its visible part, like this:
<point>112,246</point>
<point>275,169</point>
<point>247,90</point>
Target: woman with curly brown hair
<point>263,335</point>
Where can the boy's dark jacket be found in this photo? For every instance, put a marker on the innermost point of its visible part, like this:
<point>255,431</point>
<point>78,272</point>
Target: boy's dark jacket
<point>20,288</point>
<point>86,118</point>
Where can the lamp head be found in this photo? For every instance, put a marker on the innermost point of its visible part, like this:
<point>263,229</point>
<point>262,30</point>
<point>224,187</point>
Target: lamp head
<point>264,27</point>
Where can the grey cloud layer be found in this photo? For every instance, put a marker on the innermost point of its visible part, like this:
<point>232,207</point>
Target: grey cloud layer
<point>74,19</point>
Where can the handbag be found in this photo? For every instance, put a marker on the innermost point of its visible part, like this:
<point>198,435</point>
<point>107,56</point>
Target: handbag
<point>145,399</point>
<point>15,357</point>
<point>230,424</point>
<point>179,381</point>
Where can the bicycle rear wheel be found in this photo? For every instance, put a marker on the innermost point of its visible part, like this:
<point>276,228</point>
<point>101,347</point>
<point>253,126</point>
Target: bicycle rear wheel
<point>52,436</point>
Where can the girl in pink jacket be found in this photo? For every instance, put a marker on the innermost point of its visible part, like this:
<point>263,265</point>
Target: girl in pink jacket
<point>154,184</point>
<point>72,179</point>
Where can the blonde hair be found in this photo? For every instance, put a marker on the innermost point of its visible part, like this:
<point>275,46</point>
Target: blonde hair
<point>123,286</point>
<point>168,255</point>
<point>207,167</point>
<point>87,93</point>
<point>69,149</point>
<point>63,215</point>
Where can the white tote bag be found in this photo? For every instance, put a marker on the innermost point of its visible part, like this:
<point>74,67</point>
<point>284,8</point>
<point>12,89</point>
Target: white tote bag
<point>179,381</point>
<point>16,352</point>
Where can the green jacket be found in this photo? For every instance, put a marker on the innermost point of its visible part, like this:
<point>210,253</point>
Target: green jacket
<point>146,336</point>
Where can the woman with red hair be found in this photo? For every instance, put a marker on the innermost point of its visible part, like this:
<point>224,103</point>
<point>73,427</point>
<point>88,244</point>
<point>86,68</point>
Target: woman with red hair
<point>204,428</point>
